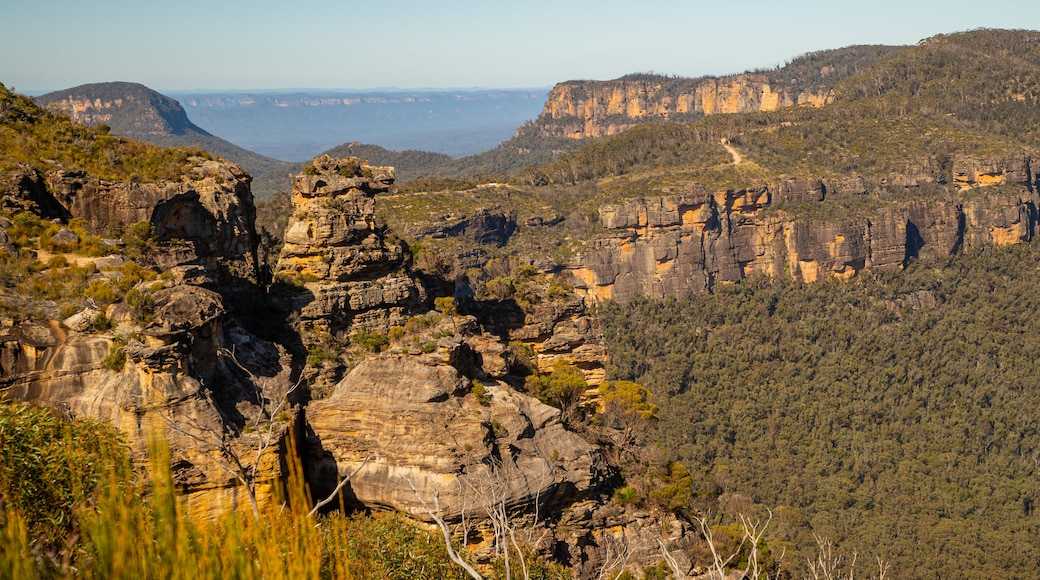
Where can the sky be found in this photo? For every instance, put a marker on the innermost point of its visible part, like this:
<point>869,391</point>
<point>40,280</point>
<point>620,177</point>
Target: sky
<point>346,44</point>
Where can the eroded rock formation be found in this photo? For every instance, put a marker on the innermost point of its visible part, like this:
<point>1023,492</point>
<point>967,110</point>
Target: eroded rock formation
<point>180,367</point>
<point>421,425</point>
<point>347,272</point>
<point>688,242</point>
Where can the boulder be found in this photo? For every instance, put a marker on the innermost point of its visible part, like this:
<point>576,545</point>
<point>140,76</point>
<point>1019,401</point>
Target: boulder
<point>414,424</point>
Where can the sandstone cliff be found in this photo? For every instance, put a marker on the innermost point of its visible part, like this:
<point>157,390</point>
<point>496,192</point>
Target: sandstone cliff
<point>178,364</point>
<point>672,244</point>
<point>582,109</point>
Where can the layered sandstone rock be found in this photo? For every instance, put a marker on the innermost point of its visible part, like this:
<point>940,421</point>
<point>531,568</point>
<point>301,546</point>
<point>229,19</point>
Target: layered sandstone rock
<point>209,211</point>
<point>347,270</point>
<point>418,424</point>
<point>180,368</point>
<point>673,244</point>
<point>184,379</point>
<point>582,109</point>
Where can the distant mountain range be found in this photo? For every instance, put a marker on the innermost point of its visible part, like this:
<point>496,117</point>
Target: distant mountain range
<point>297,126</point>
<point>303,125</point>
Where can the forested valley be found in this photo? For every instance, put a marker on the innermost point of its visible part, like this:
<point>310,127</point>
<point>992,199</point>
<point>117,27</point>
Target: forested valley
<point>893,414</point>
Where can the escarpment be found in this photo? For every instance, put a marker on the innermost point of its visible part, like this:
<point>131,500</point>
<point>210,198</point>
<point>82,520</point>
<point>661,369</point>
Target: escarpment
<point>666,245</point>
<point>583,109</point>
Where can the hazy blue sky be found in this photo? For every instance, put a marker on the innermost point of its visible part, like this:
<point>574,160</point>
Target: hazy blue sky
<point>256,44</point>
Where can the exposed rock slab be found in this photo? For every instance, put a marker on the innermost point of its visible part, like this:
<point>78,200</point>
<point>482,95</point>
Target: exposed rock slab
<point>418,424</point>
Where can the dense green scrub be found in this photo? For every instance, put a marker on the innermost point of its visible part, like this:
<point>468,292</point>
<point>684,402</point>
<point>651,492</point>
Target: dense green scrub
<point>894,414</point>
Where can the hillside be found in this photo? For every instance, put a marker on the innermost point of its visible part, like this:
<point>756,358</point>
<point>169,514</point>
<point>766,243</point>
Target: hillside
<point>137,296</point>
<point>135,111</point>
<point>874,171</point>
<point>805,296</point>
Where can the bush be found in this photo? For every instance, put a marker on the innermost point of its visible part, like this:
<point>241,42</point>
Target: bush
<point>318,355</point>
<point>115,360</point>
<point>53,466</point>
<point>370,341</point>
<point>480,393</point>
<point>626,495</point>
<point>101,292</point>
<point>562,388</point>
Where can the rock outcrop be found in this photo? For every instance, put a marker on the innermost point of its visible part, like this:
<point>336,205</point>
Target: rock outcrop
<point>672,244</point>
<point>345,270</point>
<point>582,109</point>
<point>209,212</point>
<point>418,424</point>
<point>182,377</point>
<point>180,366</point>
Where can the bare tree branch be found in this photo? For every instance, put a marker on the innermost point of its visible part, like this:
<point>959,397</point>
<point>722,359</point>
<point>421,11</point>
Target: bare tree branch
<point>444,530</point>
<point>670,560</point>
<point>339,487</point>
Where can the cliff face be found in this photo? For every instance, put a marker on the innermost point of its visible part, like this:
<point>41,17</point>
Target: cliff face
<point>180,380</point>
<point>209,212</point>
<point>672,244</point>
<point>180,365</point>
<point>582,109</point>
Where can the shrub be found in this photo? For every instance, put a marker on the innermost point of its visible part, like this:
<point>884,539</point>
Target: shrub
<point>562,388</point>
<point>370,341</point>
<point>101,292</point>
<point>115,360</point>
<point>480,393</point>
<point>318,355</point>
<point>445,305</point>
<point>139,302</point>
<point>53,466</point>
<point>626,495</point>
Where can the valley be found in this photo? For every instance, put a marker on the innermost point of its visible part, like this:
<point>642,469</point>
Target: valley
<point>784,315</point>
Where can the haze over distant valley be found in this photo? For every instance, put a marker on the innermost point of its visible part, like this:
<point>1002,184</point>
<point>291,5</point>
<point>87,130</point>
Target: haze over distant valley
<point>295,126</point>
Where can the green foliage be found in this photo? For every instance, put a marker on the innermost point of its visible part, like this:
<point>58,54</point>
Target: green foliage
<point>101,292</point>
<point>676,489</point>
<point>115,360</point>
<point>419,322</point>
<point>637,147</point>
<point>626,495</point>
<point>395,333</point>
<point>480,392</point>
<point>859,408</point>
<point>445,305</point>
<point>562,388</point>
<point>102,323</point>
<point>52,467</point>
<point>138,237</point>
<point>139,302</point>
<point>628,400</point>
<point>318,355</point>
<point>370,341</point>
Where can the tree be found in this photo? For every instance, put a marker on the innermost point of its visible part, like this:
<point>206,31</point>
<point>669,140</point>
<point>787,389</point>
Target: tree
<point>627,410</point>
